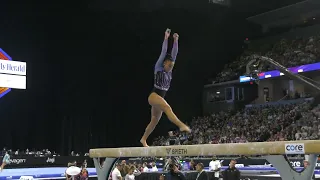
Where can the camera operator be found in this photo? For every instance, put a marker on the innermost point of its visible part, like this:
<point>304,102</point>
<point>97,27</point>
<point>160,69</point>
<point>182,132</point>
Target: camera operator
<point>175,173</point>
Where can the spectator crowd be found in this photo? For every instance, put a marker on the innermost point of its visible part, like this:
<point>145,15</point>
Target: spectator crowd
<point>27,152</point>
<point>278,122</point>
<point>37,153</point>
<point>289,53</point>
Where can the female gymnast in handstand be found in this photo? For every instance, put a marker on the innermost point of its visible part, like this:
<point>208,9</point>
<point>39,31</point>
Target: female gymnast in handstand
<point>162,80</point>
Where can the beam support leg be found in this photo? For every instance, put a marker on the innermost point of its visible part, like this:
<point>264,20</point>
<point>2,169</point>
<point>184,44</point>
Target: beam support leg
<point>104,171</point>
<point>284,168</point>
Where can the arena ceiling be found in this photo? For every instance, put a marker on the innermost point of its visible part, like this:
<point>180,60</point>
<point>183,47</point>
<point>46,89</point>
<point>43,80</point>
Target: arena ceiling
<point>292,14</point>
<point>246,7</point>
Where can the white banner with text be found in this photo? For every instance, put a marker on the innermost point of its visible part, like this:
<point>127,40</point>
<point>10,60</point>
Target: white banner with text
<point>13,81</point>
<point>13,74</point>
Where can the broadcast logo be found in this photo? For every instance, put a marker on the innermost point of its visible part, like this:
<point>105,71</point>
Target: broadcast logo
<point>297,148</point>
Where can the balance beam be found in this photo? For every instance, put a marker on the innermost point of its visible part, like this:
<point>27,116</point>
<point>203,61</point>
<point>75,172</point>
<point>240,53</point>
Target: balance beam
<point>274,152</point>
<point>253,148</point>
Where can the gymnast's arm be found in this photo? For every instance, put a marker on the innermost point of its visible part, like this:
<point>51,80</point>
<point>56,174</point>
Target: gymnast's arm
<point>158,65</point>
<point>175,47</point>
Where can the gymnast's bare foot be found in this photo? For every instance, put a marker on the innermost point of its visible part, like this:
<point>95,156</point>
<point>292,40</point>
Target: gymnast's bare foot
<point>144,143</point>
<point>185,129</point>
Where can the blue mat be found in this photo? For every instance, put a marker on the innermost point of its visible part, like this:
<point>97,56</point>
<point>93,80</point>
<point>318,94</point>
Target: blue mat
<point>39,173</point>
<point>58,173</point>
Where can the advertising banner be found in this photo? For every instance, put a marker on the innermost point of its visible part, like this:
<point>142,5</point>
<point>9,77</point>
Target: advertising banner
<point>13,74</point>
<point>4,56</point>
<point>13,67</point>
<point>297,148</point>
<point>51,161</point>
<point>13,81</point>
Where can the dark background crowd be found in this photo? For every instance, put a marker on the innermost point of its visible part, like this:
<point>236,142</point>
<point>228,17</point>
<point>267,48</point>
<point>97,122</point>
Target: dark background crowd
<point>277,122</point>
<point>288,52</point>
<point>38,153</point>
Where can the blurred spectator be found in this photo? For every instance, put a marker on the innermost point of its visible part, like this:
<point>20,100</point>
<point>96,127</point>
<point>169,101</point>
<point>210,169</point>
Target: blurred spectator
<point>162,177</point>
<point>36,153</point>
<point>116,175</point>
<point>154,167</point>
<point>145,167</point>
<point>123,167</point>
<point>305,165</point>
<point>215,166</point>
<point>84,175</point>
<point>84,164</point>
<point>192,165</point>
<point>131,173</point>
<point>231,173</point>
<point>202,174</point>
<point>175,173</point>
<point>173,139</point>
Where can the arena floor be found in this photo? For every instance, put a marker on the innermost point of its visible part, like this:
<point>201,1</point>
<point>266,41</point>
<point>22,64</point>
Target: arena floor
<point>39,173</point>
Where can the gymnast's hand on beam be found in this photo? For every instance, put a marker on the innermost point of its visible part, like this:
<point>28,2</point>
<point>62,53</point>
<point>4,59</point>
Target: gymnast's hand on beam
<point>176,36</point>
<point>167,34</point>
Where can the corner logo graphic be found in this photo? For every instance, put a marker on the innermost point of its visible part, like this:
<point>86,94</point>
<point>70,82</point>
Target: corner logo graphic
<point>4,56</point>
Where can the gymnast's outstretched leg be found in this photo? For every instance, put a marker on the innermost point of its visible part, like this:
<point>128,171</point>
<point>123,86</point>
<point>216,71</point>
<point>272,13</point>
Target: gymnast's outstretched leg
<point>156,101</point>
<point>160,105</point>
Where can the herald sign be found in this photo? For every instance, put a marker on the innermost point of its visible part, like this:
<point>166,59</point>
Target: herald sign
<point>12,74</point>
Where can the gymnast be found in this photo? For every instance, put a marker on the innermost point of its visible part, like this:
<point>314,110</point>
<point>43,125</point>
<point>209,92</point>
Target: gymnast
<point>5,161</point>
<point>162,80</point>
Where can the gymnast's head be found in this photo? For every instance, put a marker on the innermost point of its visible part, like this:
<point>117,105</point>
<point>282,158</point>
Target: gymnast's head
<point>168,63</point>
